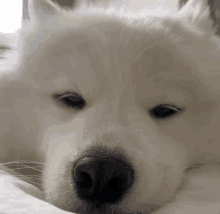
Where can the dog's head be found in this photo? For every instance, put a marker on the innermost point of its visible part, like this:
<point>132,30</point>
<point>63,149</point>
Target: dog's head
<point>124,102</point>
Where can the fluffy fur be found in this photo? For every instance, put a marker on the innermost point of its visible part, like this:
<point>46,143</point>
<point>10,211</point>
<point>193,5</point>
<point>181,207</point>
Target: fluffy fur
<point>123,64</point>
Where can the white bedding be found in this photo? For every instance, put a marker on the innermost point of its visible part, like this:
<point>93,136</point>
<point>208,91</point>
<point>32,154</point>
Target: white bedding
<point>200,195</point>
<point>20,197</point>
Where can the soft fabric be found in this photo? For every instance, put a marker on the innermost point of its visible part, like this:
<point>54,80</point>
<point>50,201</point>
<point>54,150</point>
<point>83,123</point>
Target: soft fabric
<point>20,197</point>
<point>200,195</point>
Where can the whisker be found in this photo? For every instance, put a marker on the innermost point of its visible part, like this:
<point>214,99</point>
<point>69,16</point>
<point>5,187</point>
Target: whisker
<point>19,166</point>
<point>59,193</point>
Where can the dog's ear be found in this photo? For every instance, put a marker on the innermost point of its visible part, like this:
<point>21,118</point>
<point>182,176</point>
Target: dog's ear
<point>197,13</point>
<point>42,9</point>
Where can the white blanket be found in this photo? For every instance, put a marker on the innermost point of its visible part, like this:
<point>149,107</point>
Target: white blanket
<point>20,197</point>
<point>200,195</point>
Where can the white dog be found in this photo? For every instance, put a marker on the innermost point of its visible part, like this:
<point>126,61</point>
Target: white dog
<point>117,104</point>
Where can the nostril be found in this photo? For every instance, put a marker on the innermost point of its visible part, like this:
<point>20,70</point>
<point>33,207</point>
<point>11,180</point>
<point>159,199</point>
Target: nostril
<point>116,184</point>
<point>84,179</point>
<point>83,173</point>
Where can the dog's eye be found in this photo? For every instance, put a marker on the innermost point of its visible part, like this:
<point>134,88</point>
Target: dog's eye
<point>164,111</point>
<point>70,100</point>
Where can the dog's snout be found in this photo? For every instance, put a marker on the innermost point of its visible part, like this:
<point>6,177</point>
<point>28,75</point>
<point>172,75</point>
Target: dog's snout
<point>102,180</point>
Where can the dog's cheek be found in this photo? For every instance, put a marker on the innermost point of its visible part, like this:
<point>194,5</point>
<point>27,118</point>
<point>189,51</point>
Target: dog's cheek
<point>163,174</point>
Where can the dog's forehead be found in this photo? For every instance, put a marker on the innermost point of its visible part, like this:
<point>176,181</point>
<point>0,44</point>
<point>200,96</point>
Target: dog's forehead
<point>97,47</point>
<point>112,39</point>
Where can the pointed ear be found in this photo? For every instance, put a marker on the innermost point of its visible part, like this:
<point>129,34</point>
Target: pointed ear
<point>42,9</point>
<point>197,13</point>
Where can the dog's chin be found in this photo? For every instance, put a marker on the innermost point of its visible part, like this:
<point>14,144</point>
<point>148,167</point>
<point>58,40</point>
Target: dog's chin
<point>109,209</point>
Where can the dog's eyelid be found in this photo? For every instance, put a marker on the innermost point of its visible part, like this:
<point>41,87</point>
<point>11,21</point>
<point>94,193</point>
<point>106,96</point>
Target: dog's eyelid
<point>69,94</point>
<point>66,94</point>
<point>171,106</point>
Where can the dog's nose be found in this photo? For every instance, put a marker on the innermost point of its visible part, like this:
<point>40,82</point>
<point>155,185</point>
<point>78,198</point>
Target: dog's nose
<point>102,180</point>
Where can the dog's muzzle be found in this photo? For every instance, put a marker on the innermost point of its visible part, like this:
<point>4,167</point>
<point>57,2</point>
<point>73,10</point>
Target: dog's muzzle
<point>102,179</point>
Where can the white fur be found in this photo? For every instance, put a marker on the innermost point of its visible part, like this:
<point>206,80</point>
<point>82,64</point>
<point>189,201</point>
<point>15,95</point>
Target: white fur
<point>123,63</point>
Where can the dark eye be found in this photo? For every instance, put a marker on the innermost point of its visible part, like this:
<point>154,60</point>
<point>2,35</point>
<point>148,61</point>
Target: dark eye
<point>164,111</point>
<point>71,100</point>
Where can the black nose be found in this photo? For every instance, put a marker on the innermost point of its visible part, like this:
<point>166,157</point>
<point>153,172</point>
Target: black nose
<point>102,180</point>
